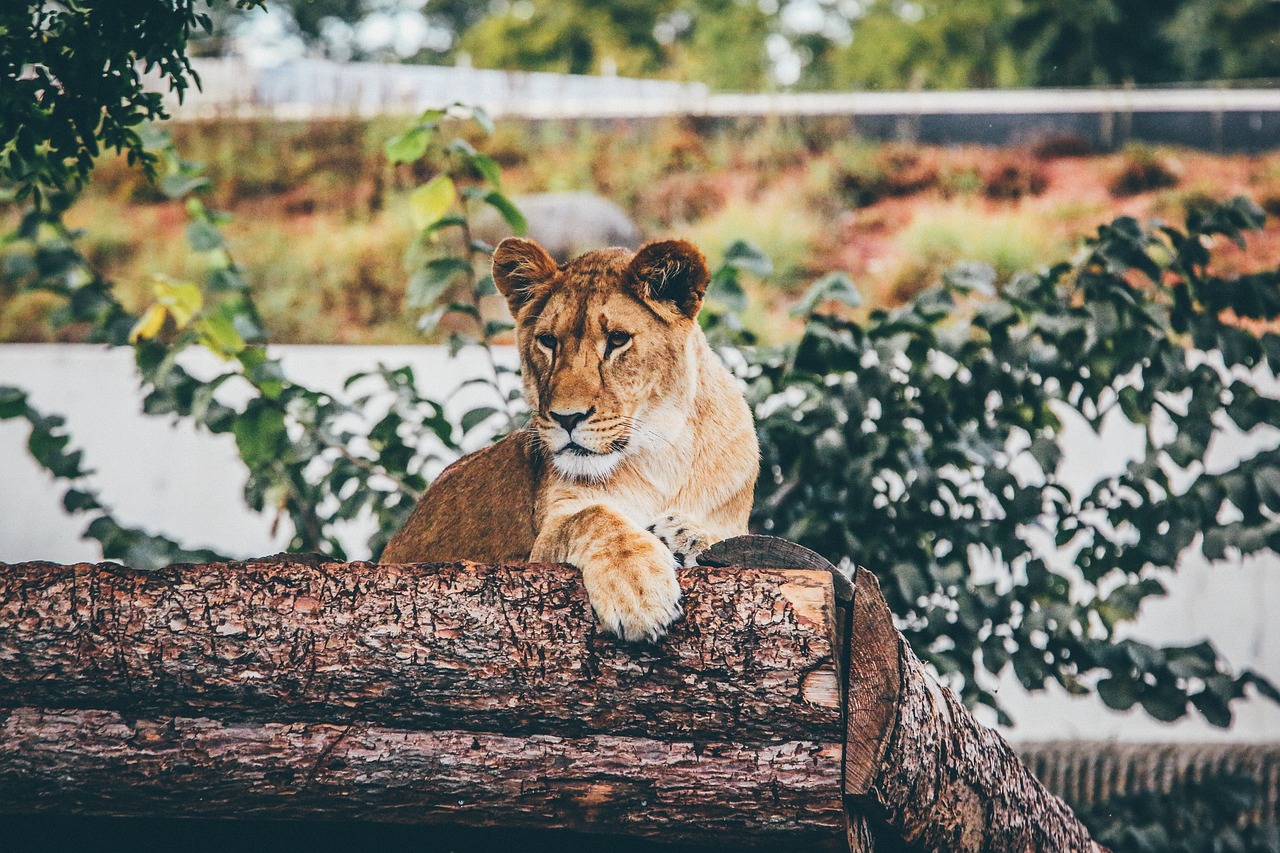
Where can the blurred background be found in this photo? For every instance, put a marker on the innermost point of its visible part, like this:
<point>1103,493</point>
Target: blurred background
<point>884,139</point>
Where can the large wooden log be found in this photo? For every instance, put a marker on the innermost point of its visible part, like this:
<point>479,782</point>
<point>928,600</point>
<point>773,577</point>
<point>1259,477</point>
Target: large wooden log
<point>455,693</point>
<point>105,762</point>
<point>510,649</point>
<point>483,695</point>
<point>924,768</point>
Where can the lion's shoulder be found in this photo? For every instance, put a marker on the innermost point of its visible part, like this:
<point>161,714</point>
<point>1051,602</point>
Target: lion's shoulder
<point>480,508</point>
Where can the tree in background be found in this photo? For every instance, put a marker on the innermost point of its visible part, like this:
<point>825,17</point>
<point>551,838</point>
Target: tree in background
<point>931,44</point>
<point>360,30</point>
<point>696,40</point>
<point>934,44</point>
<point>71,81</point>
<point>574,36</point>
<point>745,45</point>
<point>1096,42</point>
<point>1227,39</point>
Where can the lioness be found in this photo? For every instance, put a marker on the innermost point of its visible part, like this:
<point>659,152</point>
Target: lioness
<point>641,452</point>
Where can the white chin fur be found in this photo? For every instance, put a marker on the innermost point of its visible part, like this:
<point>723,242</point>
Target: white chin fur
<point>593,468</point>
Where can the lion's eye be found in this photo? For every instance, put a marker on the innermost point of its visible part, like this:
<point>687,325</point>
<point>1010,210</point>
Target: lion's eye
<point>548,341</point>
<point>618,339</point>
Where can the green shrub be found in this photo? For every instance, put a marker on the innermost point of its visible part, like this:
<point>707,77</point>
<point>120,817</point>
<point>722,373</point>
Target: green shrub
<point>1012,178</point>
<point>1208,814</point>
<point>888,442</point>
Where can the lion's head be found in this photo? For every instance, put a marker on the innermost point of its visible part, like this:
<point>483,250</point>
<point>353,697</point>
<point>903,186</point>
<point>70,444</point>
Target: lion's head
<point>608,347</point>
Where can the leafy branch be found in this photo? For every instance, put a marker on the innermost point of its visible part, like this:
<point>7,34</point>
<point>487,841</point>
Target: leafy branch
<point>926,439</point>
<point>71,83</point>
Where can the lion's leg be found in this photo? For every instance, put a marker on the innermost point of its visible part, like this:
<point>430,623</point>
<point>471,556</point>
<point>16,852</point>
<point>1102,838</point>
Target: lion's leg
<point>629,574</point>
<point>684,537</point>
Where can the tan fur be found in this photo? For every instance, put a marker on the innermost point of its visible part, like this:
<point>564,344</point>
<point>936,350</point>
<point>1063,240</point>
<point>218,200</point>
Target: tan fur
<point>664,464</point>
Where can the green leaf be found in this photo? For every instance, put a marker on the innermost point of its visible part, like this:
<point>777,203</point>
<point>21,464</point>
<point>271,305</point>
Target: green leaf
<point>463,147</point>
<point>427,322</point>
<point>48,449</point>
<point>971,277</point>
<point>1045,450</point>
<point>451,220</point>
<point>431,282</point>
<point>493,328</point>
<point>226,279</point>
<point>1164,702</point>
<point>13,402</point>
<point>1214,709</point>
<point>204,237</point>
<point>1118,693</point>
<point>410,145</point>
<point>218,333</point>
<point>481,116</point>
<point>475,417</point>
<point>832,286</point>
<point>1263,685</point>
<point>179,184</point>
<point>748,258</point>
<point>488,167</point>
<point>1131,405</point>
<point>725,290</point>
<point>260,434</point>
<point>77,501</point>
<point>509,211</point>
<point>431,201</point>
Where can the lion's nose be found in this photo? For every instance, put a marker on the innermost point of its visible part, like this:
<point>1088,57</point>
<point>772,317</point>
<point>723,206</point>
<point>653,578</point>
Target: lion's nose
<point>569,420</point>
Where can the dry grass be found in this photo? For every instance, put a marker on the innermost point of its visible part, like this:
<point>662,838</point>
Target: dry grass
<point>940,235</point>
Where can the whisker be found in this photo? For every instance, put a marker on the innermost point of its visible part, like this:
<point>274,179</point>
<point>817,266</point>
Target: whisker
<point>641,429</point>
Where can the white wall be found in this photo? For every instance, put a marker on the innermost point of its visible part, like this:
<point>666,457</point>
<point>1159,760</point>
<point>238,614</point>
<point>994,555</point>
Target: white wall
<point>169,478</point>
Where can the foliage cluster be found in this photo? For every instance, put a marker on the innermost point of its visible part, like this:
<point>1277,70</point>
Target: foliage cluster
<point>70,81</point>
<point>866,173</point>
<point>1142,170</point>
<point>926,441</point>
<point>1208,814</point>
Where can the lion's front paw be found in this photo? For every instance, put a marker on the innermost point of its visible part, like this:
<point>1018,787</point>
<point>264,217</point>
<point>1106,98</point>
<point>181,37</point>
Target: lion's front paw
<point>634,592</point>
<point>684,538</point>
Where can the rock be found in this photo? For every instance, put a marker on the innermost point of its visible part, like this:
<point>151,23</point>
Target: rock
<point>566,224</point>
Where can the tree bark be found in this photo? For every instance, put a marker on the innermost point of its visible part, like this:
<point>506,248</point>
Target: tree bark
<point>457,693</point>
<point>510,649</point>
<point>764,794</point>
<point>918,763</point>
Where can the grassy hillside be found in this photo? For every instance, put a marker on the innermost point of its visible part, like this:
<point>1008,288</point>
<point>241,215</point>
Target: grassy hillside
<point>320,219</point>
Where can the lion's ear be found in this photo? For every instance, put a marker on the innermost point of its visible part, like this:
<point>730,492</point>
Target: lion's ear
<point>519,266</point>
<point>671,271</point>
